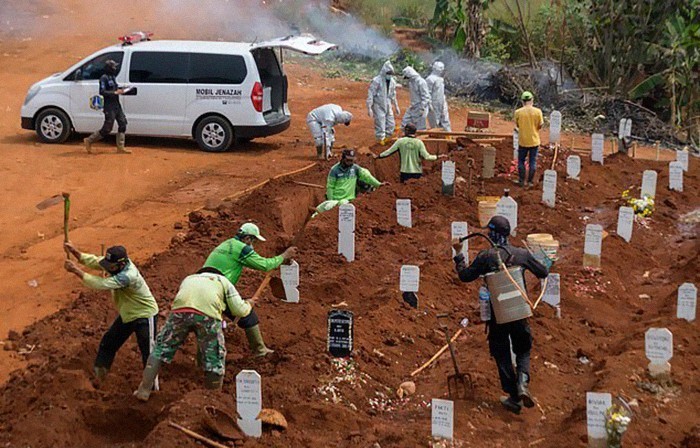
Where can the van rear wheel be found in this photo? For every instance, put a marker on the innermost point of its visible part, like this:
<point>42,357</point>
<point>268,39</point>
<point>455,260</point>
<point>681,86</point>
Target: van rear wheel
<point>214,134</point>
<point>53,126</point>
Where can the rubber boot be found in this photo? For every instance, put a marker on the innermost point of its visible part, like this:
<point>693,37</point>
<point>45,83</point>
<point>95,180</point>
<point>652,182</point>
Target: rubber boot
<point>255,340</point>
<point>319,152</point>
<point>329,152</point>
<point>524,390</point>
<point>511,405</point>
<point>149,378</point>
<point>213,380</point>
<point>89,140</point>
<point>121,140</point>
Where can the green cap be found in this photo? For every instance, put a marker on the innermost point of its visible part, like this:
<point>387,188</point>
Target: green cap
<point>251,229</point>
<point>526,96</point>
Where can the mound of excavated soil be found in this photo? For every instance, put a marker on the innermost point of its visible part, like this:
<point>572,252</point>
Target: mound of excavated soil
<point>354,404</point>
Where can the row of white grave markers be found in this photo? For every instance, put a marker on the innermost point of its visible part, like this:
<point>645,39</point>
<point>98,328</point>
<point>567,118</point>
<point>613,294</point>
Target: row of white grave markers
<point>346,231</point>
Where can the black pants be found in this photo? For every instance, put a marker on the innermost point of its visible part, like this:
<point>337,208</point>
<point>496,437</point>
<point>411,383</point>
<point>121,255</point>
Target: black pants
<point>119,332</point>
<point>113,113</point>
<point>529,153</point>
<point>405,176</point>
<point>500,338</point>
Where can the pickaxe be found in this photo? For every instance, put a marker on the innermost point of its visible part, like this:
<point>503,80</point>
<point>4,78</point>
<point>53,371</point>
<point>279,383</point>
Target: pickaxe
<point>55,200</point>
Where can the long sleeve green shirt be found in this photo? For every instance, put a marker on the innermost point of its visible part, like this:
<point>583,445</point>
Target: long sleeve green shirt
<point>130,292</point>
<point>210,294</point>
<point>342,182</point>
<point>232,255</point>
<point>411,151</point>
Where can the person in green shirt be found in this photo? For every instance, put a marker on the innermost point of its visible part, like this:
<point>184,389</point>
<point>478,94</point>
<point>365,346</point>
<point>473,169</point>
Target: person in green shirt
<point>342,182</point>
<point>411,150</point>
<point>198,307</point>
<point>230,257</point>
<point>137,308</point>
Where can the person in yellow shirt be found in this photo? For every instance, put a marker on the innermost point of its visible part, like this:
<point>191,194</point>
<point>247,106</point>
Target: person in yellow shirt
<point>528,122</point>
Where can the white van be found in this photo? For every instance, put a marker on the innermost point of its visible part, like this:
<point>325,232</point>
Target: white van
<point>213,92</point>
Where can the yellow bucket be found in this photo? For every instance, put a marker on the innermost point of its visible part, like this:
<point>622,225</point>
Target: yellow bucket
<point>487,210</point>
<point>543,242</point>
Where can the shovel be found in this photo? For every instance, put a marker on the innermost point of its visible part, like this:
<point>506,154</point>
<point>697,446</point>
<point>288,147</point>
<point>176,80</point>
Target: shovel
<point>459,385</point>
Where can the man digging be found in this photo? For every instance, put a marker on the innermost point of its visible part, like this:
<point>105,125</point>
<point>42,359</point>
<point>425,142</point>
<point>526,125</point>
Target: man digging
<point>198,308</point>
<point>138,309</point>
<point>230,257</point>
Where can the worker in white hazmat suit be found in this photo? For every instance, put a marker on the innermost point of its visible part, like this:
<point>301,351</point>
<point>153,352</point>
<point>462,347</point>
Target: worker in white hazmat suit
<point>417,112</point>
<point>321,122</point>
<point>381,96</point>
<point>438,115</point>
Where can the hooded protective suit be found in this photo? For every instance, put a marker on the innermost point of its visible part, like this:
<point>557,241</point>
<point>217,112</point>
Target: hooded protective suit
<point>438,115</point>
<point>381,95</point>
<point>321,121</point>
<point>417,112</point>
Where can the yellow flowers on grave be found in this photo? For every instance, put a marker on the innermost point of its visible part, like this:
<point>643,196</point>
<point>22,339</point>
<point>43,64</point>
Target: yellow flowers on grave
<point>643,207</point>
<point>617,419</point>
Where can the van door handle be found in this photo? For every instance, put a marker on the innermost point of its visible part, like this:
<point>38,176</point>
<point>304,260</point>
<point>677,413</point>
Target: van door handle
<point>132,92</point>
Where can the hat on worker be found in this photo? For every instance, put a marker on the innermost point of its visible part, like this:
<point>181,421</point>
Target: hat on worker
<point>348,153</point>
<point>499,225</point>
<point>114,255</point>
<point>527,96</point>
<point>251,229</point>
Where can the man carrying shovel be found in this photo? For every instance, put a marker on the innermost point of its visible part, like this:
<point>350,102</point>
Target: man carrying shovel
<point>137,308</point>
<point>230,257</point>
<point>198,307</point>
<point>502,335</point>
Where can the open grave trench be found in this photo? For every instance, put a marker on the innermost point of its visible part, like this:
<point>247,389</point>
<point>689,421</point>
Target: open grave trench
<point>354,403</point>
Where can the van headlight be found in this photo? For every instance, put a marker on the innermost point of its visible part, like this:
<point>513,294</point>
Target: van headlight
<point>31,94</point>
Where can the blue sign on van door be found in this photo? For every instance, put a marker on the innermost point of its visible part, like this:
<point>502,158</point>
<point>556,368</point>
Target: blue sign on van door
<point>97,102</point>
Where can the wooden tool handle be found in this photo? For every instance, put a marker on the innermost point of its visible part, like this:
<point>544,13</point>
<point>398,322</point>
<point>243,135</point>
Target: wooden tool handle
<point>263,285</point>
<point>197,436</point>
<point>436,355</point>
<point>66,218</point>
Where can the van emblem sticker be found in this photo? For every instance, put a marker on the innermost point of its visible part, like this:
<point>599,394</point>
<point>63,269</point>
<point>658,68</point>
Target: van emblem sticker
<point>97,102</point>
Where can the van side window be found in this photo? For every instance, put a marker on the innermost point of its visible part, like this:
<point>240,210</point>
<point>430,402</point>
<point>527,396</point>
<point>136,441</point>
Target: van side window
<point>159,67</point>
<point>95,67</point>
<point>217,69</point>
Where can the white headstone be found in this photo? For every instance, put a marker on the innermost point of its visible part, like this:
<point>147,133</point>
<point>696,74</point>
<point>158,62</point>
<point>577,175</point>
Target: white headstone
<point>658,345</point>
<point>249,402</point>
<point>649,183</point>
<point>597,145</point>
<point>552,293</point>
<point>508,208</point>
<point>549,188</point>
<point>403,212</point>
<point>290,280</point>
<point>687,302</point>
<point>554,126</point>
<point>625,128</point>
<point>625,221</point>
<point>346,231</point>
<point>442,418</point>
<point>460,229</point>
<point>516,140</point>
<point>448,177</point>
<point>682,156</point>
<point>596,405</point>
<point>675,176</point>
<point>573,167</point>
<point>410,278</point>
<point>594,240</point>
<point>628,128</point>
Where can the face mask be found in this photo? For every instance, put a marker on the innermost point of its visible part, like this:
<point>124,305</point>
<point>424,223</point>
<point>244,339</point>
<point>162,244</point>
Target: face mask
<point>388,76</point>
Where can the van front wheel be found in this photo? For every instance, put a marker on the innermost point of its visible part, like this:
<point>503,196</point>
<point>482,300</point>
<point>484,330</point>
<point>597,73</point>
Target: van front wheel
<point>214,134</point>
<point>53,126</point>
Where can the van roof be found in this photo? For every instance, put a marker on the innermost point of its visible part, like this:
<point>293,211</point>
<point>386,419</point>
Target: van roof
<point>191,46</point>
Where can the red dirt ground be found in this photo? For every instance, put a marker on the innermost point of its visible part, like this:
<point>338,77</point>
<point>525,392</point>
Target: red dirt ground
<point>50,401</point>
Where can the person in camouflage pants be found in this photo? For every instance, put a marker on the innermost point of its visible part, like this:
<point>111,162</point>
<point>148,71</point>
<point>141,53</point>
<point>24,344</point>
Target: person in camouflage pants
<point>198,307</point>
